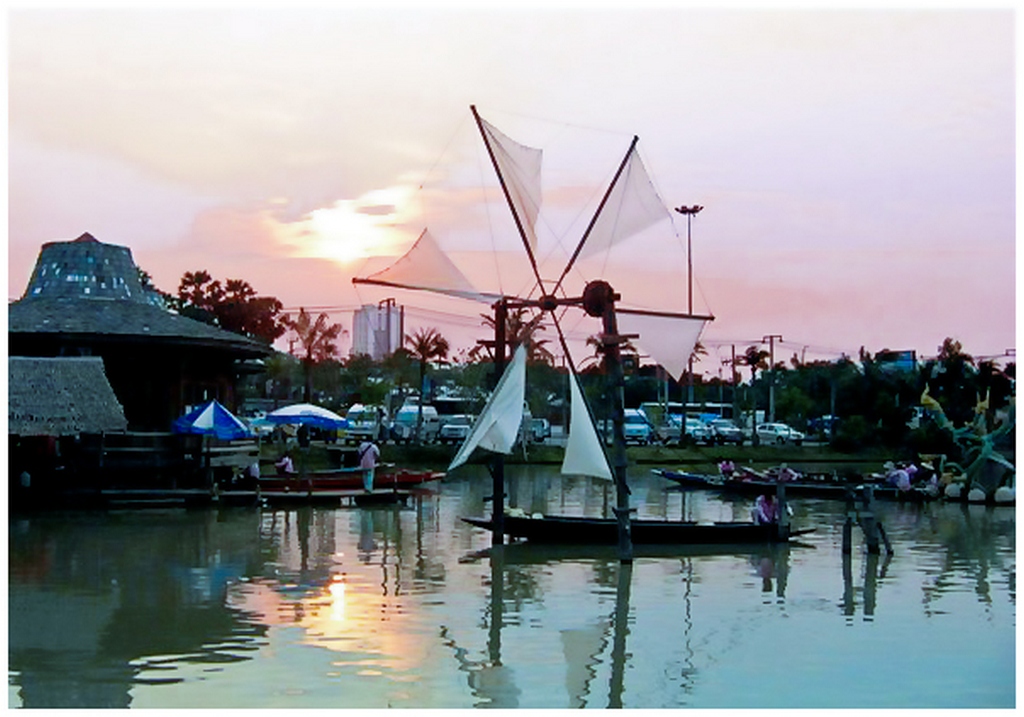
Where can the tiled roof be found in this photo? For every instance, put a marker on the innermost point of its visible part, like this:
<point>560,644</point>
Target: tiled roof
<point>86,268</point>
<point>87,288</point>
<point>118,318</point>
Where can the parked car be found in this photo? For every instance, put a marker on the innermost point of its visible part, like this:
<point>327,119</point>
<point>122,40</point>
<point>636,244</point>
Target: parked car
<point>403,429</point>
<point>636,427</point>
<point>670,430</point>
<point>540,429</point>
<point>455,429</point>
<point>697,431</point>
<point>779,433</point>
<point>725,431</point>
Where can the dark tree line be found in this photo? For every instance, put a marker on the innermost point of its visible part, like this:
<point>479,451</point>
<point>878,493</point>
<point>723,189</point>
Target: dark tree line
<point>874,398</point>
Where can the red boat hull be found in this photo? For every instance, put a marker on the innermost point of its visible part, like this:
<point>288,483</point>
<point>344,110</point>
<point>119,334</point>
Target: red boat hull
<point>347,480</point>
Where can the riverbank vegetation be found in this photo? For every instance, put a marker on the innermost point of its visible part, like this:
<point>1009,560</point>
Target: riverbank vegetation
<point>874,402</point>
<point>871,403</point>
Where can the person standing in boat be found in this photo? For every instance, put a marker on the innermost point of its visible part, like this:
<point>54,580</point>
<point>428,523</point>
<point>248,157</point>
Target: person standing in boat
<point>369,454</point>
<point>765,510</point>
<point>285,466</point>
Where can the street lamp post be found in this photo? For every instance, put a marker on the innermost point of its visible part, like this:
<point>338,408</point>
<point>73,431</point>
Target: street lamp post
<point>689,212</point>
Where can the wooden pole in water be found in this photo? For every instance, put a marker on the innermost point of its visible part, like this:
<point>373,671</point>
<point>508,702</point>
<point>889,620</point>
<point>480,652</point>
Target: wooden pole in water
<point>600,295</point>
<point>869,523</point>
<point>497,603</point>
<point>498,465</point>
<point>619,639</point>
<point>851,513</point>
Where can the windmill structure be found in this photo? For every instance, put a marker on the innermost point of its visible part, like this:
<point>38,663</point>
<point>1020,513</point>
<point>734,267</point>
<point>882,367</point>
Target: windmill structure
<point>629,205</point>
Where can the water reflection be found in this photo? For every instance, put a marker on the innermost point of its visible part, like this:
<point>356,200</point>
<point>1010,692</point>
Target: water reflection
<point>494,682</point>
<point>772,564</point>
<point>319,607</point>
<point>97,600</point>
<point>514,574</point>
<point>873,575</point>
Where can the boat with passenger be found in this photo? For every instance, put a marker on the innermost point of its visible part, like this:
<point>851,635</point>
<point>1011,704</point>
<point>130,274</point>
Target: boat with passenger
<point>750,482</point>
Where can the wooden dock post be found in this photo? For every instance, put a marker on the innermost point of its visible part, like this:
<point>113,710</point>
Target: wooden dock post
<point>868,522</point>
<point>851,514</point>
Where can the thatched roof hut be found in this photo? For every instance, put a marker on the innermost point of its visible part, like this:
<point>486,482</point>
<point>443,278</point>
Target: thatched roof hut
<point>85,298</point>
<point>60,397</point>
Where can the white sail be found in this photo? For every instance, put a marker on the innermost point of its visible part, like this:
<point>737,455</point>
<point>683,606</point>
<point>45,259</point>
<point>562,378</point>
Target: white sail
<point>519,167</point>
<point>632,206</point>
<point>426,267</point>
<point>584,455</point>
<point>669,340</point>
<point>498,425</point>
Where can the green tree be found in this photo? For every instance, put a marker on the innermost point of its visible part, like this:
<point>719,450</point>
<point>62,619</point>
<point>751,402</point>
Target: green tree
<point>520,327</point>
<point>316,342</point>
<point>952,380</point>
<point>427,345</point>
<point>400,366</point>
<point>756,360</point>
<point>233,306</point>
<point>362,381</point>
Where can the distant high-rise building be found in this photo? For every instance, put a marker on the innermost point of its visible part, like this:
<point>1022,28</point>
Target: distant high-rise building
<point>377,329</point>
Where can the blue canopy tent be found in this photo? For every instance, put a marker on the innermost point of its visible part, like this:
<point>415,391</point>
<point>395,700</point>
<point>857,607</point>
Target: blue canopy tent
<point>212,419</point>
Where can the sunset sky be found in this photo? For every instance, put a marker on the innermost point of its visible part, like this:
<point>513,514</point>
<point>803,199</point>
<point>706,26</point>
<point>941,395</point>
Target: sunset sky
<point>857,168</point>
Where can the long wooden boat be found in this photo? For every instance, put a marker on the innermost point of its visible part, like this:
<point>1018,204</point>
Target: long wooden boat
<point>533,553</point>
<point>814,488</point>
<point>346,479</point>
<point>605,531</point>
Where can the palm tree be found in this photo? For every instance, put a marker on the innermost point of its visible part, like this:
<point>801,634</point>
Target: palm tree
<point>520,328</point>
<point>426,345</point>
<point>698,351</point>
<point>755,358</point>
<point>316,339</point>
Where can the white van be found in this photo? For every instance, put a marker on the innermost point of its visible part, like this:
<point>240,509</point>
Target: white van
<point>364,422</point>
<point>403,428</point>
<point>636,427</point>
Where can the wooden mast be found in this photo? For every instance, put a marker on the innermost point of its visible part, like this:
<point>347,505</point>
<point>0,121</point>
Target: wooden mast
<point>599,300</point>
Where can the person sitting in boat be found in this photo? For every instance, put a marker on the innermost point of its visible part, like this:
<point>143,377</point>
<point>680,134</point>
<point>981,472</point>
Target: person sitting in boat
<point>787,474</point>
<point>765,510</point>
<point>285,466</point>
<point>912,471</point>
<point>899,477</point>
<point>369,454</point>
<point>727,468</point>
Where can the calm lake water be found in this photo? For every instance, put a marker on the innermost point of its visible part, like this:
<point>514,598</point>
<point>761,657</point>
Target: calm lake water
<point>317,607</point>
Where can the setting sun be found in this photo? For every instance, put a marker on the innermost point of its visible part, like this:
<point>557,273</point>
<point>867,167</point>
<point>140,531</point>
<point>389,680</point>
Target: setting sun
<point>352,230</point>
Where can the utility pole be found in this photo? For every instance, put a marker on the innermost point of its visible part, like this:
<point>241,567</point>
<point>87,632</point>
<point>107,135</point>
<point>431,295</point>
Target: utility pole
<point>771,367</point>
<point>388,307</point>
<point>689,212</point>
<point>735,382</point>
